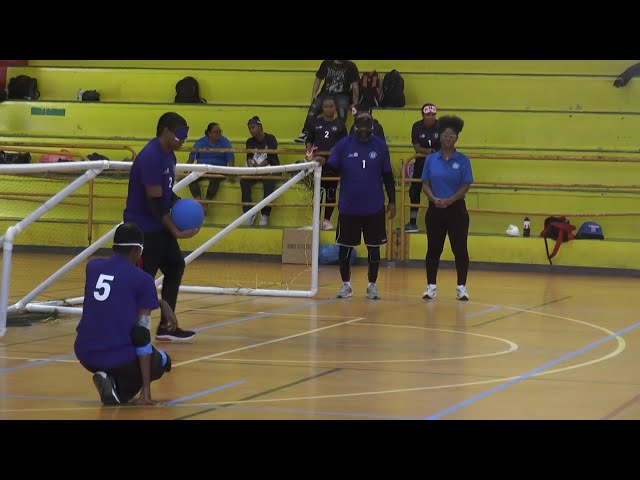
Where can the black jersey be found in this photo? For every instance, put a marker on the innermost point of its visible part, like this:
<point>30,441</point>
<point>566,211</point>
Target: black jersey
<point>269,142</point>
<point>325,134</point>
<point>425,137</point>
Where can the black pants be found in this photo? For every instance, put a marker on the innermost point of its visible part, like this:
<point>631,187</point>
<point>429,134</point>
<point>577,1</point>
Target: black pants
<point>245,186</point>
<point>212,189</point>
<point>162,252</point>
<point>330,188</point>
<point>454,221</point>
<point>415,190</point>
<point>342,105</point>
<point>128,378</point>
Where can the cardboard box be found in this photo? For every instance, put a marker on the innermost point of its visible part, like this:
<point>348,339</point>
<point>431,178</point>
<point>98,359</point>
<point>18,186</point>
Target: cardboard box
<point>296,246</point>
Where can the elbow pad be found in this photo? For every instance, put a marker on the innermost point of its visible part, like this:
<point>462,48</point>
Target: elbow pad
<point>140,336</point>
<point>157,207</point>
<point>390,186</point>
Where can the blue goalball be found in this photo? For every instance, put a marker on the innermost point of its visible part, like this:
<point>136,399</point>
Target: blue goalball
<point>187,214</point>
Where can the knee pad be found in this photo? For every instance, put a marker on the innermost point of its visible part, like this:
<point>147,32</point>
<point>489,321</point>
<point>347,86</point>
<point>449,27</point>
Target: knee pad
<point>374,254</point>
<point>166,361</point>
<point>344,254</point>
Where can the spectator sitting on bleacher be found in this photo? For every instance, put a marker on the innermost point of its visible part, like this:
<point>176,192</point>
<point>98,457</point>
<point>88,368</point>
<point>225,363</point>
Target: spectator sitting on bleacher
<point>213,139</point>
<point>425,140</point>
<point>341,82</point>
<point>323,135</point>
<point>378,131</point>
<point>259,140</point>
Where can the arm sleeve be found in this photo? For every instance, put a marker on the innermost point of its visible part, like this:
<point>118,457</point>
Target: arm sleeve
<point>415,135</point>
<point>467,173</point>
<point>151,172</point>
<point>322,71</point>
<point>194,155</point>
<point>147,294</point>
<point>273,157</point>
<point>334,162</point>
<point>390,186</point>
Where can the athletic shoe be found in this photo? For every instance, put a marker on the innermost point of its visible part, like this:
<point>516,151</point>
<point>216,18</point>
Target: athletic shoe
<point>372,292</point>
<point>106,388</point>
<point>345,292</point>
<point>430,292</point>
<point>461,293</point>
<point>178,335</point>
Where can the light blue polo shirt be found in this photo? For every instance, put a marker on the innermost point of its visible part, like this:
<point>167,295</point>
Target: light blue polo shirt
<point>447,176</point>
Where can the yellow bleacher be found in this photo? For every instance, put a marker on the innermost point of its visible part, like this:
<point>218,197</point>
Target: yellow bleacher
<point>510,108</point>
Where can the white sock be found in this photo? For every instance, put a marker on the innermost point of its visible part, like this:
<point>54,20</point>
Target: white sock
<point>347,284</point>
<point>372,284</point>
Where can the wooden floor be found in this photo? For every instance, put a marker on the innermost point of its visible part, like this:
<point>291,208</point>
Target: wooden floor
<point>527,346</point>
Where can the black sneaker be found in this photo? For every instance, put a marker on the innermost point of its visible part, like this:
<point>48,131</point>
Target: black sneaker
<point>106,388</point>
<point>178,335</point>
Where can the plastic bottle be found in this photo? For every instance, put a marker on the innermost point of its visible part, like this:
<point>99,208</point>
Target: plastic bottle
<point>80,92</point>
<point>526,228</point>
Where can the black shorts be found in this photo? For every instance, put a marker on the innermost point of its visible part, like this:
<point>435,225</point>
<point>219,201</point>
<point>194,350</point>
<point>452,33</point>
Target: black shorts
<point>351,229</point>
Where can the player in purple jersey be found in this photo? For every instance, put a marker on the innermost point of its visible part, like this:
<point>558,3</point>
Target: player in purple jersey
<point>113,339</point>
<point>363,163</point>
<point>149,201</point>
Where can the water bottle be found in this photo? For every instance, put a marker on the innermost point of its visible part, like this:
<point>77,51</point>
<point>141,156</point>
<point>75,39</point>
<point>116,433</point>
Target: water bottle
<point>526,228</point>
<point>79,95</point>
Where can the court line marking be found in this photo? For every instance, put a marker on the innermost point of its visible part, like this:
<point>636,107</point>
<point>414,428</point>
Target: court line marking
<point>34,364</point>
<point>206,392</point>
<point>621,344</point>
<point>512,347</point>
<point>529,374</point>
<point>268,342</point>
<point>263,315</point>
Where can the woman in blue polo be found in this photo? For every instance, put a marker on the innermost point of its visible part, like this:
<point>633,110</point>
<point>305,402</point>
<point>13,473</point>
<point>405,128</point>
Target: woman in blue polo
<point>446,179</point>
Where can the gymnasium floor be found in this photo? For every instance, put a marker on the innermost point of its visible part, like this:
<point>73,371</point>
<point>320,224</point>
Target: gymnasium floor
<point>527,346</point>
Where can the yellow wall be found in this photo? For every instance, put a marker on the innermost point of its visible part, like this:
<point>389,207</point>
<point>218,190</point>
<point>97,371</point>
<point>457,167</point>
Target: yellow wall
<point>509,107</point>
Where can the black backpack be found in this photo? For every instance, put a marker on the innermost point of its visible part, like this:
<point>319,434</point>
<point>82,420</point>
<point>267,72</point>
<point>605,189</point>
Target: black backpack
<point>188,91</point>
<point>6,157</point>
<point>370,92</point>
<point>90,96</point>
<point>393,90</point>
<point>23,87</point>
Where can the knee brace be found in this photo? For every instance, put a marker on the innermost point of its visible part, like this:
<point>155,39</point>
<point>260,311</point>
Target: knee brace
<point>374,254</point>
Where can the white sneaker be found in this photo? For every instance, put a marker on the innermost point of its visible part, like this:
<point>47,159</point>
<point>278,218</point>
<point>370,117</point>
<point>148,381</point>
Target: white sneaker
<point>345,292</point>
<point>461,293</point>
<point>264,220</point>
<point>326,225</point>
<point>252,219</point>
<point>372,292</point>
<point>430,292</point>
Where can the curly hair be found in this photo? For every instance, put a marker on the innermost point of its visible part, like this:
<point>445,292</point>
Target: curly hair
<point>450,121</point>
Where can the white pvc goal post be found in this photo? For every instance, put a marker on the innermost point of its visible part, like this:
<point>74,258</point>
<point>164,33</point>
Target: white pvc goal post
<point>90,170</point>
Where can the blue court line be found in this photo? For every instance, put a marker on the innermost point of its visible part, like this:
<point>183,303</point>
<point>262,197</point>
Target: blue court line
<point>40,397</point>
<point>263,315</point>
<point>205,392</point>
<point>309,412</point>
<point>530,374</point>
<point>35,364</point>
<point>482,312</point>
